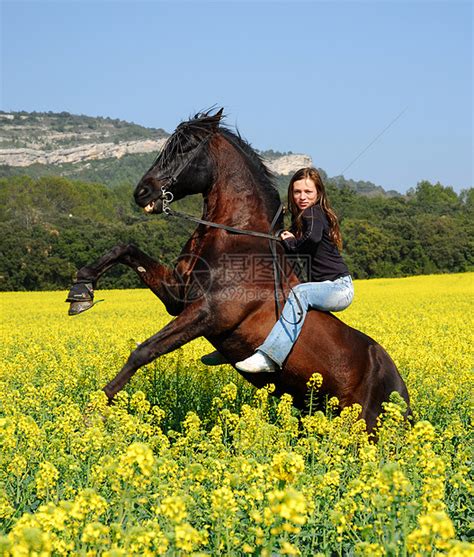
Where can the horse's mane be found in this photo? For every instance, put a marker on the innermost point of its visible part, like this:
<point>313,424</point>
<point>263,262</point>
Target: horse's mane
<point>198,129</point>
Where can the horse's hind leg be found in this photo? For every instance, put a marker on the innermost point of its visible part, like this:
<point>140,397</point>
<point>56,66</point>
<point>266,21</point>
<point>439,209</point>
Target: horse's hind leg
<point>383,380</point>
<point>157,277</point>
<point>191,323</point>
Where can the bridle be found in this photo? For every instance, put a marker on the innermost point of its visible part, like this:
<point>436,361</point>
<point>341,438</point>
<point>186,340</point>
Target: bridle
<point>167,196</point>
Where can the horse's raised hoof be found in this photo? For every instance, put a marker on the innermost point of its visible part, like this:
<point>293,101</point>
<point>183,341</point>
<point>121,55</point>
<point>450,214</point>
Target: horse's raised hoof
<point>79,307</point>
<point>81,297</point>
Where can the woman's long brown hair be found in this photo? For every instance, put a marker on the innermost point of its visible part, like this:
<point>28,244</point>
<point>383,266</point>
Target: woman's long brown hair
<point>322,199</point>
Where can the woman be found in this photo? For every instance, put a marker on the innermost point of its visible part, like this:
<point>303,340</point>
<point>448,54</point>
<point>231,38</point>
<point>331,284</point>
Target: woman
<point>315,234</point>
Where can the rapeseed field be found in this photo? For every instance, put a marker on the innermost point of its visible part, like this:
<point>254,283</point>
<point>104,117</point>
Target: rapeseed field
<point>193,461</point>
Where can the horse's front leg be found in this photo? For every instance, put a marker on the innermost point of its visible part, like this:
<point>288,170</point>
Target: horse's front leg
<point>159,278</point>
<point>193,322</point>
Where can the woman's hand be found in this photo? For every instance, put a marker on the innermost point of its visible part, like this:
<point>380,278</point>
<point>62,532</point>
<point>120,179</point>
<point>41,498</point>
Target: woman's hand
<point>285,235</point>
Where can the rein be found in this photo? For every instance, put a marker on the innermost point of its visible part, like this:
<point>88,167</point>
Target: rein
<point>171,212</point>
<point>277,270</point>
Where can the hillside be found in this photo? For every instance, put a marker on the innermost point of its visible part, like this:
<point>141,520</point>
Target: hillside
<point>48,131</point>
<point>59,216</point>
<point>110,151</point>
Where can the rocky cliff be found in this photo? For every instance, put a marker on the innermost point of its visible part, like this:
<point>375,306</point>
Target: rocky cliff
<point>81,153</point>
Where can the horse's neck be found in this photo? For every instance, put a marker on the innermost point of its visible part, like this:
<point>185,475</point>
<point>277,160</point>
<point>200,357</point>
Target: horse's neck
<point>234,198</point>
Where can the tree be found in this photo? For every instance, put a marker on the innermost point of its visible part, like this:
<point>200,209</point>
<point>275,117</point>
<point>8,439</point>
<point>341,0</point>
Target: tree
<point>369,250</point>
<point>434,198</point>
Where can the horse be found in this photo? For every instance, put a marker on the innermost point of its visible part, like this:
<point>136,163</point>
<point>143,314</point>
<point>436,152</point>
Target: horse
<point>236,311</point>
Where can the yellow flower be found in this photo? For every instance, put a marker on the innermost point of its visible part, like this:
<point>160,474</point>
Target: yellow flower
<point>88,503</point>
<point>173,508</point>
<point>188,538</point>
<point>136,464</point>
<point>30,541</point>
<point>111,482</point>
<point>287,466</point>
<point>17,466</point>
<point>52,517</point>
<point>331,478</point>
<point>367,549</point>
<point>95,532</point>
<point>229,392</point>
<point>460,549</point>
<point>6,508</point>
<point>289,505</point>
<point>158,415</point>
<point>422,431</point>
<point>289,549</point>
<point>192,426</point>
<point>139,403</point>
<point>315,381</point>
<point>46,479</point>
<point>146,540</point>
<point>434,532</point>
<point>223,503</point>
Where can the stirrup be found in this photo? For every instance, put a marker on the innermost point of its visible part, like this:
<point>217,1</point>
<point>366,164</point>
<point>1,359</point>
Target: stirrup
<point>81,297</point>
<point>214,359</point>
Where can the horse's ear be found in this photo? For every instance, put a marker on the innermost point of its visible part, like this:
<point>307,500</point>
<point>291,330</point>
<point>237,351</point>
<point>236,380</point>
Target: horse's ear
<point>217,118</point>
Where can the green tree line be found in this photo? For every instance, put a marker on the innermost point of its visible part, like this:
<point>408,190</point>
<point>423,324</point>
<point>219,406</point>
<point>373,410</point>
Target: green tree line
<point>51,226</point>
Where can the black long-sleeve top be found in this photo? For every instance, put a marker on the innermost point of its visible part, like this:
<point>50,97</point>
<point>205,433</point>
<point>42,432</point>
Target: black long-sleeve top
<point>326,262</point>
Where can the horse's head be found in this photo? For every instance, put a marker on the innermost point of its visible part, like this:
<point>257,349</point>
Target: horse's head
<point>183,167</point>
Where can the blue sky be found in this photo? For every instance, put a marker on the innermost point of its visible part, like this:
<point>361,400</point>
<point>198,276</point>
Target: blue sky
<point>322,78</point>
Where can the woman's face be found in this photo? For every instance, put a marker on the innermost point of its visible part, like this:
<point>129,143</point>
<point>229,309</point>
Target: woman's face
<point>305,193</point>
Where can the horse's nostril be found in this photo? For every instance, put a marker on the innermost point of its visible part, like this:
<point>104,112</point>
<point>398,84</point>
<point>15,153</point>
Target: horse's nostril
<point>142,191</point>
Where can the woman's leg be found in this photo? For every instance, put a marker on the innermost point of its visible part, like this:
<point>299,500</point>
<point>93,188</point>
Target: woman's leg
<point>327,296</point>
<point>332,296</point>
<point>286,330</point>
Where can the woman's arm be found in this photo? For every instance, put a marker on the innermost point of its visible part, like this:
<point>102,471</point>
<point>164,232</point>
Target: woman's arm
<point>288,240</point>
<point>313,226</point>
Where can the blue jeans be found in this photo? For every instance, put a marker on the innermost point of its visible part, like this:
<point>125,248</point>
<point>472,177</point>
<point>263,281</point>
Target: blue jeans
<point>329,295</point>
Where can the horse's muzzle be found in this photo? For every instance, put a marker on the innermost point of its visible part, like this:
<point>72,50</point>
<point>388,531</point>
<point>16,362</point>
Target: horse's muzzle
<point>154,206</point>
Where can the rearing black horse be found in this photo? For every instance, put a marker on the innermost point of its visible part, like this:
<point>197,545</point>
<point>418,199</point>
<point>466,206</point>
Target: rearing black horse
<point>235,316</point>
